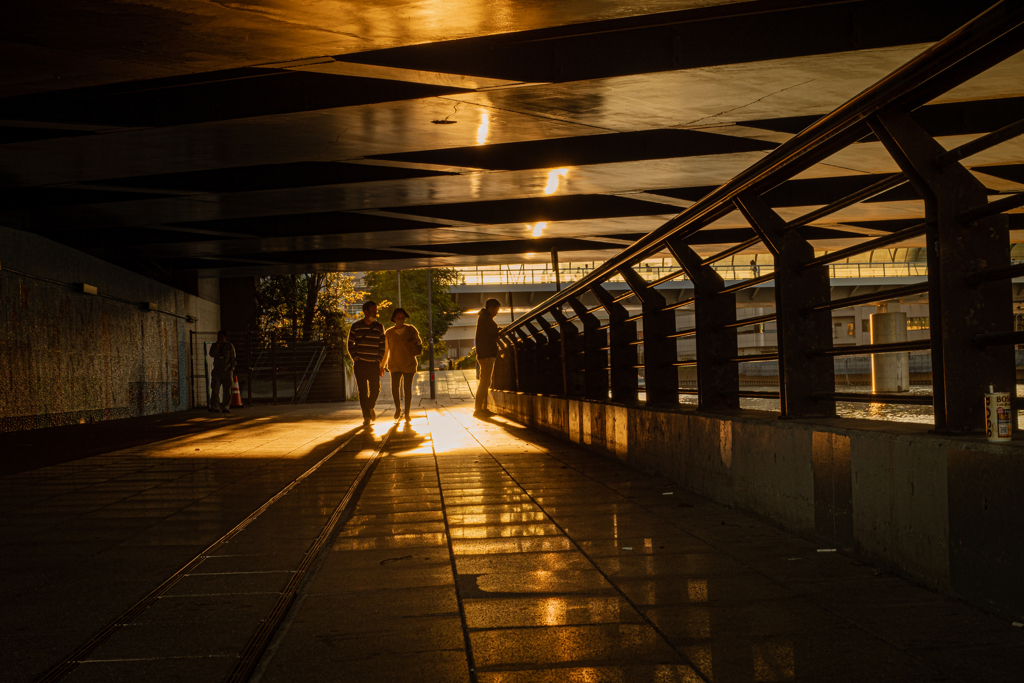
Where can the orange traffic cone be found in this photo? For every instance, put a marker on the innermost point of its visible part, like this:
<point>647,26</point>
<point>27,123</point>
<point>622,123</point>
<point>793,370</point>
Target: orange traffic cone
<point>236,395</point>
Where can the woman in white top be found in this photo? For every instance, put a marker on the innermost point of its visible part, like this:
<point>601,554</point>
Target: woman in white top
<point>402,345</point>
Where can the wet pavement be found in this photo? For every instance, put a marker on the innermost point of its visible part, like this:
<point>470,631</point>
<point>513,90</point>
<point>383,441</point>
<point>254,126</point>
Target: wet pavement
<point>292,544</point>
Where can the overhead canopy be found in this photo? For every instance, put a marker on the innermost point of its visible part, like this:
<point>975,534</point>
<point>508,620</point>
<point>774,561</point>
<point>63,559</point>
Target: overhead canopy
<point>228,139</point>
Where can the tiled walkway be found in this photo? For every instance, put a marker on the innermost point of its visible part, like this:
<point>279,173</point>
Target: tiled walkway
<point>467,550</point>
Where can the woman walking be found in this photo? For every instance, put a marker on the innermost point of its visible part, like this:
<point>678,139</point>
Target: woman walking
<point>402,345</point>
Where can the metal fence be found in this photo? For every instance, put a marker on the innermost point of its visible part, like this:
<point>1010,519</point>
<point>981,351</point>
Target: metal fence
<point>274,368</point>
<point>562,348</point>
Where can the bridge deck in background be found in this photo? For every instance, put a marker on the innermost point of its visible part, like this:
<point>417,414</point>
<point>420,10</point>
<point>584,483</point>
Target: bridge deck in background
<point>468,550</point>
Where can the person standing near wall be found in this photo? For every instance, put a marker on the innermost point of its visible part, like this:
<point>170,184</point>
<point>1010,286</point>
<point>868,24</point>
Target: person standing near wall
<point>223,375</point>
<point>366,347</point>
<point>402,345</point>
<point>486,351</point>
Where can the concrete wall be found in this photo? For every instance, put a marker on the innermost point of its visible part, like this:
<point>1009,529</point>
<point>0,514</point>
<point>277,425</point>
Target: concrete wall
<point>68,357</point>
<point>945,512</point>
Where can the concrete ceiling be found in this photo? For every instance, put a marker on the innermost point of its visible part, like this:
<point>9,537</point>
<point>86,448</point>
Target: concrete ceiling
<point>224,139</point>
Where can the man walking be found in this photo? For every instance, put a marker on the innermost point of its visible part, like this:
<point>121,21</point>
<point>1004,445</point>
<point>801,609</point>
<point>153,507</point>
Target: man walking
<point>366,347</point>
<point>223,374</point>
<point>486,351</point>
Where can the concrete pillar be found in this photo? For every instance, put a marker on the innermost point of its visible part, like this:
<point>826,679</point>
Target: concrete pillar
<point>890,372</point>
<point>962,370</point>
<point>237,304</point>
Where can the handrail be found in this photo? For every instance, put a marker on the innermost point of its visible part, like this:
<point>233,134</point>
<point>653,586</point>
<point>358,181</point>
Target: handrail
<point>893,238</point>
<point>743,322</point>
<point>819,140</point>
<point>305,385</point>
<point>747,284</point>
<point>865,349</point>
<point>992,208</point>
<point>906,399</point>
<point>1016,270</point>
<point>971,148</point>
<point>880,295</point>
<point>883,185</point>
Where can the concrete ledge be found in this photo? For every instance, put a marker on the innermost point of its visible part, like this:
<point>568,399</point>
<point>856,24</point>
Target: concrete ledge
<point>943,511</point>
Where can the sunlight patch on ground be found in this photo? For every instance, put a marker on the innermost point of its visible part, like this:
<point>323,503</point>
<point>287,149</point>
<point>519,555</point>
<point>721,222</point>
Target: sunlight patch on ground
<point>263,437</point>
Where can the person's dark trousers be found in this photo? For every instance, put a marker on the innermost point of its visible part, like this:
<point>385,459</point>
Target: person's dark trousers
<point>221,380</point>
<point>368,381</point>
<point>402,380</point>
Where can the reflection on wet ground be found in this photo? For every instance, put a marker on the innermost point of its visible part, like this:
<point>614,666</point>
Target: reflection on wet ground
<point>474,550</point>
<point>567,567</point>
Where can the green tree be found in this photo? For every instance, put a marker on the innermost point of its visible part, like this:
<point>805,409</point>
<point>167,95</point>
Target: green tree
<point>305,307</point>
<point>383,288</point>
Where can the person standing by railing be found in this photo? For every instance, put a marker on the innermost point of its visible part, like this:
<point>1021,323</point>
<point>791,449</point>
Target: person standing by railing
<point>486,351</point>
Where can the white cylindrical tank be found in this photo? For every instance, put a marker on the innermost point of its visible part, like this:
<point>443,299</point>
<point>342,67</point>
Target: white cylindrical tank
<point>890,372</point>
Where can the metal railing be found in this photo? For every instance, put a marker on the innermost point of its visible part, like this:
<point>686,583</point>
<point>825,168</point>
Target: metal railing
<point>274,369</point>
<point>541,348</point>
<point>309,375</point>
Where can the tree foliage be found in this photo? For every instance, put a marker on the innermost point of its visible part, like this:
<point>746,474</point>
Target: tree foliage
<point>383,288</point>
<point>305,307</point>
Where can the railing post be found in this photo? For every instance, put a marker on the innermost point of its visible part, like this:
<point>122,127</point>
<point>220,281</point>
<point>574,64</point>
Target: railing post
<point>542,360</point>
<point>961,369</point>
<point>717,377</point>
<point>595,357</point>
<point>661,376</point>
<point>623,357</point>
<point>573,370</point>
<point>554,373</point>
<point>799,329</point>
<point>526,362</point>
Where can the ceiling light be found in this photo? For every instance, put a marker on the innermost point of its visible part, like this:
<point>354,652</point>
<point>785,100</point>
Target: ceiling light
<point>554,177</point>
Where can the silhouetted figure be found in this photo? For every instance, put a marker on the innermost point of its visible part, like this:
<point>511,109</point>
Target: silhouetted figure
<point>366,347</point>
<point>754,269</point>
<point>486,351</point>
<point>223,375</point>
<point>402,345</point>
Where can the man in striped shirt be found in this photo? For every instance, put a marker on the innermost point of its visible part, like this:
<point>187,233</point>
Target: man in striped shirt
<point>366,347</point>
